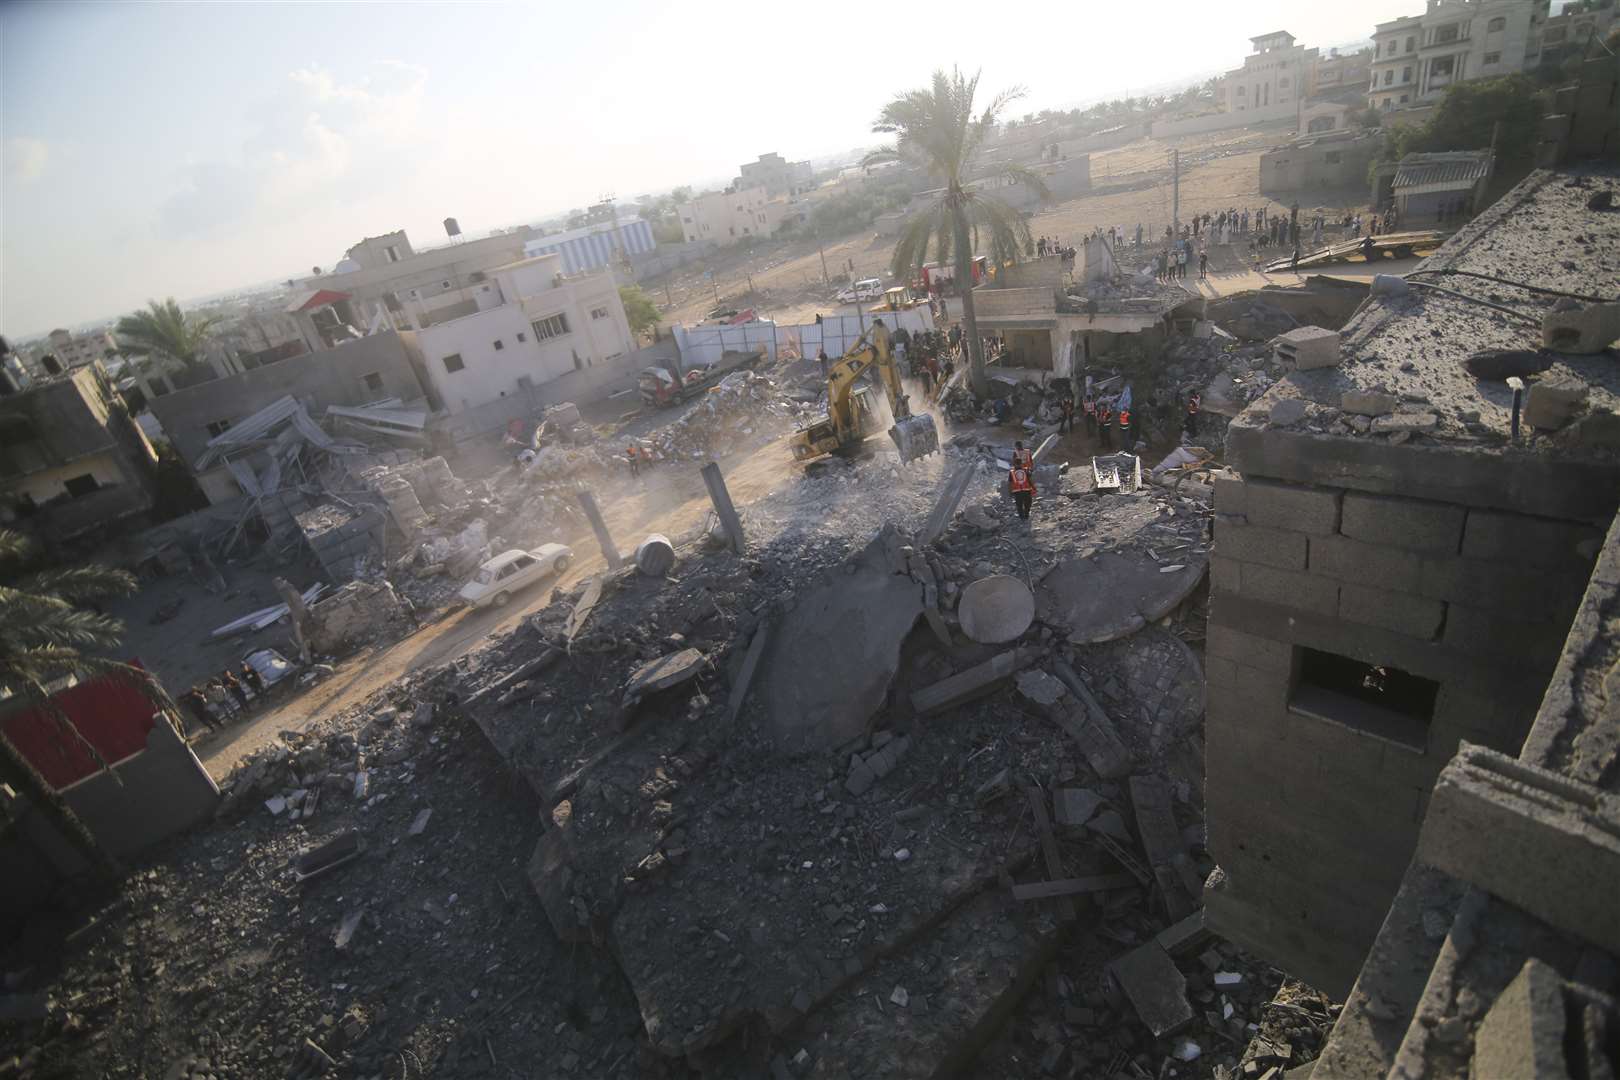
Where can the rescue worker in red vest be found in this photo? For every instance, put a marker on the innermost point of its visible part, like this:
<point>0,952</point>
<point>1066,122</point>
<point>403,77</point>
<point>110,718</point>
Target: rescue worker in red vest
<point>1021,483</point>
<point>635,459</point>
<point>1195,401</point>
<point>1023,459</point>
<point>1125,442</point>
<point>1105,421</point>
<point>1088,405</point>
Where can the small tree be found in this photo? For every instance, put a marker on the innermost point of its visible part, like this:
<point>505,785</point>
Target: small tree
<point>163,330</point>
<point>639,308</point>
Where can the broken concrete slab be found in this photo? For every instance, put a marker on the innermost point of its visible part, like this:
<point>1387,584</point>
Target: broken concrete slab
<point>420,823</point>
<point>664,673</point>
<point>1156,988</point>
<point>950,496</point>
<point>976,681</point>
<point>1115,593</point>
<point>745,674</point>
<point>1584,329</point>
<point>1074,806</point>
<point>1039,687</point>
<point>996,609</point>
<point>1523,1034</point>
<point>582,608</point>
<point>1091,729</point>
<point>1161,840</point>
<point>851,624</point>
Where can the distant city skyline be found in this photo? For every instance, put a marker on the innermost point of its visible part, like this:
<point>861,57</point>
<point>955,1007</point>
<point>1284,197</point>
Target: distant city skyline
<point>191,150</point>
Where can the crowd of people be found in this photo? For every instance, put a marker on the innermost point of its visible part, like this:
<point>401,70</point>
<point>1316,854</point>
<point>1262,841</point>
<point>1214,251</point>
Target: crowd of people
<point>215,702</point>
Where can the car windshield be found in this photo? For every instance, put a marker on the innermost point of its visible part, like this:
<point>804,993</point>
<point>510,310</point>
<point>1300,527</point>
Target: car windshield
<point>485,576</point>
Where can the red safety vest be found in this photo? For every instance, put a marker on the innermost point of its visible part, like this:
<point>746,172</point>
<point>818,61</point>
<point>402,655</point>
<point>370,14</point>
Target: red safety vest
<point>630,452</point>
<point>1124,418</point>
<point>1024,458</point>
<point>1193,404</point>
<point>1091,406</point>
<point>1019,480</point>
<point>1104,414</point>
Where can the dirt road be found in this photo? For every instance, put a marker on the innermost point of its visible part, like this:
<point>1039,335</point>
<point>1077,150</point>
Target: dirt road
<point>670,499</point>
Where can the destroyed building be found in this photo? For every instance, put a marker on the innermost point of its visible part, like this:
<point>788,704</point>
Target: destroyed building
<point>1330,160</point>
<point>1397,571</point>
<point>72,459</point>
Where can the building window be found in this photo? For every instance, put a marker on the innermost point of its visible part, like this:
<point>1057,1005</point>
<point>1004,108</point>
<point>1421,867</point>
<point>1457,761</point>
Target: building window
<point>550,327</point>
<point>1283,81</point>
<point>1406,74</point>
<point>218,428</point>
<point>1243,91</point>
<point>1442,66</point>
<point>1411,43</point>
<point>454,363</point>
<point>599,313</point>
<point>1446,34</point>
<point>522,337</point>
<point>1492,58</point>
<point>393,252</point>
<point>1496,24</point>
<point>373,382</point>
<point>499,344</point>
<point>1405,98</point>
<point>1389,76</point>
<point>1384,702</point>
<point>80,486</point>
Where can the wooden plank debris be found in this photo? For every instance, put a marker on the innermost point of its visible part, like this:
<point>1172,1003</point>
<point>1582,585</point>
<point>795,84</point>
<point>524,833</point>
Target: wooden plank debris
<point>1042,890</point>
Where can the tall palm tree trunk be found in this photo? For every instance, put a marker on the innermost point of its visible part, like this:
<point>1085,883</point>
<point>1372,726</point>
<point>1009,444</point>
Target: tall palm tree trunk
<point>964,285</point>
<point>47,801</point>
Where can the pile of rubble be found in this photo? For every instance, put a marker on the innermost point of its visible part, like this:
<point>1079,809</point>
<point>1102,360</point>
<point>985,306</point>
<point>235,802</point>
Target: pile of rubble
<point>745,408</point>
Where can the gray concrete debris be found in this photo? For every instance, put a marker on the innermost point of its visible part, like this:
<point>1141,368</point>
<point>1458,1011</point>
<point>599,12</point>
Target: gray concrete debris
<point>1308,347</point>
<point>420,823</point>
<point>1368,402</point>
<point>1114,594</point>
<point>663,674</point>
<point>655,556</point>
<point>974,682</point>
<point>1552,403</point>
<point>583,608</point>
<point>851,625</point>
<point>1074,806</point>
<point>1523,1034</point>
<point>1583,329</point>
<point>996,609</point>
<point>1039,687</point>
<point>1156,988</point>
<point>866,770</point>
<point>1092,730</point>
<point>1287,411</point>
<point>745,674</point>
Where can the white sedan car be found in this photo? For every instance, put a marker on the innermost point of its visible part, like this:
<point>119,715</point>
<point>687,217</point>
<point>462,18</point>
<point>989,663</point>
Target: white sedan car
<point>510,571</point>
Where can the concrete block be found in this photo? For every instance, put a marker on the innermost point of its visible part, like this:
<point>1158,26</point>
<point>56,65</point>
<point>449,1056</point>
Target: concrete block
<point>1518,538</point>
<point>1552,403</point>
<point>1482,633</point>
<point>1523,1034</point>
<point>975,681</point>
<point>1255,544</point>
<point>1574,327</point>
<point>1074,806</point>
<point>1285,412</point>
<point>1535,594</point>
<point>1350,560</point>
<point>1230,496</point>
<point>1243,648</point>
<point>1404,523</point>
<point>1309,347</point>
<point>1155,987</point>
<point>1533,837</point>
<point>1224,574</point>
<point>1367,402</point>
<point>1413,616</point>
<point>1288,588</point>
<point>1293,507</point>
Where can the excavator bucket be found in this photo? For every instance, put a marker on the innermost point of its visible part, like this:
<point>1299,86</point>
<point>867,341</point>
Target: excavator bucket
<point>915,436</point>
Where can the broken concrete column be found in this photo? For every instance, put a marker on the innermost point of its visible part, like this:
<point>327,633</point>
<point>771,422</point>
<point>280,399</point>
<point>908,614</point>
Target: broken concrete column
<point>1573,327</point>
<point>603,537</point>
<point>974,682</point>
<point>655,555</point>
<point>1308,347</point>
<point>950,496</point>
<point>723,507</point>
<point>996,609</point>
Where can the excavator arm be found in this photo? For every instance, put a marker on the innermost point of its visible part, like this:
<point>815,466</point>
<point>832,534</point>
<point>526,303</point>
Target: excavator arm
<point>914,436</point>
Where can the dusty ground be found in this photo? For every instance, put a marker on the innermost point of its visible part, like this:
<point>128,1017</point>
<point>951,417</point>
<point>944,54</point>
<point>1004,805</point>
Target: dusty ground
<point>1131,184</point>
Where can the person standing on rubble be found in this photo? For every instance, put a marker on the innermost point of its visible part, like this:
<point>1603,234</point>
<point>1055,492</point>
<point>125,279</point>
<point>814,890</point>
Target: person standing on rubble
<point>233,687</point>
<point>197,704</point>
<point>1021,483</point>
<point>1203,265</point>
<point>1105,417</point>
<point>635,459</point>
<point>1066,407</point>
<point>1189,425</point>
<point>1022,458</point>
<point>1088,406</point>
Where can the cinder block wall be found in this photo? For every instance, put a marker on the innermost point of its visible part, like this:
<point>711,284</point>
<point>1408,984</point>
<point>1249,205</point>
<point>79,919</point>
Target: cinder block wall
<point>1313,821</point>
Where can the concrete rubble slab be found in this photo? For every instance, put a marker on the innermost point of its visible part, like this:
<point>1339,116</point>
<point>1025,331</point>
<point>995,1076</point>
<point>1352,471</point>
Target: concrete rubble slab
<point>1115,593</point>
<point>1074,806</point>
<point>996,610</point>
<point>1155,987</point>
<point>1523,1034</point>
<point>976,681</point>
<point>664,673</point>
<point>1091,729</point>
<point>851,623</point>
<point>1161,839</point>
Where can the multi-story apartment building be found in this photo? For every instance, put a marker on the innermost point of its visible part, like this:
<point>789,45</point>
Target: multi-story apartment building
<point>1417,57</point>
<point>1572,30</point>
<point>776,175</point>
<point>725,217</point>
<point>1273,79</point>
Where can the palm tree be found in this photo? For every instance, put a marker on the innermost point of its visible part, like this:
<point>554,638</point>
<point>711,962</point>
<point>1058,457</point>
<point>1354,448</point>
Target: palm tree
<point>166,331</point>
<point>936,128</point>
<point>44,638</point>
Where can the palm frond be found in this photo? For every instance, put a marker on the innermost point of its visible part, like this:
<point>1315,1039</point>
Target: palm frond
<point>1005,229</point>
<point>14,546</point>
<point>80,583</point>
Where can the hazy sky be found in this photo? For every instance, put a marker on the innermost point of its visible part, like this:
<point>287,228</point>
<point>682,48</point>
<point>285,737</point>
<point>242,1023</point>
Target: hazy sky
<point>185,149</point>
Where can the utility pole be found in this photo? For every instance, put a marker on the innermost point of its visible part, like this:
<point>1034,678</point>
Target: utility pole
<point>826,278</point>
<point>1175,192</point>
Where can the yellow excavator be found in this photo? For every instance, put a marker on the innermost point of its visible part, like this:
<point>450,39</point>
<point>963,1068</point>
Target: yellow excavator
<point>852,410</point>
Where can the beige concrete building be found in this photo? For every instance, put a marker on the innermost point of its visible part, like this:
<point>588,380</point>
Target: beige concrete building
<point>1272,79</point>
<point>76,350</point>
<point>1339,74</point>
<point>725,217</point>
<point>384,283</point>
<point>1572,31</point>
<point>544,325</point>
<point>776,175</point>
<point>1417,57</point>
